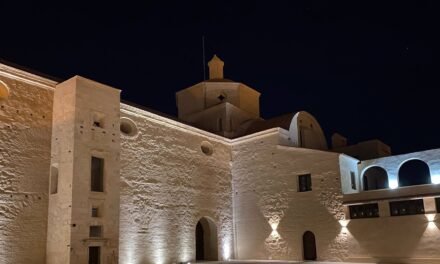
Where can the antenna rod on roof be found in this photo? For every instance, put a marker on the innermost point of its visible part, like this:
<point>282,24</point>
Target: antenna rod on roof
<point>203,57</point>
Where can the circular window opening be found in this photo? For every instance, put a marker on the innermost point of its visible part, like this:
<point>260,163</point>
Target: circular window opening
<point>207,148</point>
<point>4,90</point>
<point>128,127</point>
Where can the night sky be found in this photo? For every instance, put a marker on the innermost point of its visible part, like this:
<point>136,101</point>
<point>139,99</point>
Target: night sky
<point>363,69</point>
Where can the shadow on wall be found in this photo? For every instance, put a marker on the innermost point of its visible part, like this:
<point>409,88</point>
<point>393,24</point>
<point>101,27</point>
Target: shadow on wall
<point>387,239</point>
<point>318,220</point>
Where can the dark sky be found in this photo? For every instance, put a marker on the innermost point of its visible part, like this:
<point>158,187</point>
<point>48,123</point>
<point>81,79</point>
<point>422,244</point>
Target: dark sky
<point>363,69</point>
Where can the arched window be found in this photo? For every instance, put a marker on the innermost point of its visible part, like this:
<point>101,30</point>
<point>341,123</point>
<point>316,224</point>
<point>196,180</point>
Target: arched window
<point>4,90</point>
<point>414,172</point>
<point>375,178</point>
<point>206,240</point>
<point>309,246</point>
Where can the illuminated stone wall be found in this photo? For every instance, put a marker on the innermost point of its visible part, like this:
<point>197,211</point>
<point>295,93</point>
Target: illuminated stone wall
<point>173,174</point>
<point>85,124</point>
<point>271,216</point>
<point>401,239</point>
<point>25,132</point>
<point>167,185</point>
<point>395,239</point>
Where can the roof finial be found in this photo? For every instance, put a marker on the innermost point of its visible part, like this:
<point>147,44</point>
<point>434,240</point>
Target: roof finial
<point>215,68</point>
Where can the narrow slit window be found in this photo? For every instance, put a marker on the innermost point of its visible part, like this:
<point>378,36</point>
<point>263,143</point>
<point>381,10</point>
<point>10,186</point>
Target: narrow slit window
<point>353,180</point>
<point>304,183</point>
<point>97,175</point>
<point>220,124</point>
<point>53,180</point>
<point>95,212</point>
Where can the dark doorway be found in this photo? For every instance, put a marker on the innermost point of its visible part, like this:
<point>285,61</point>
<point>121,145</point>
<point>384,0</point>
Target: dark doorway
<point>309,245</point>
<point>414,172</point>
<point>200,250</point>
<point>94,255</point>
<point>375,178</point>
<point>206,240</point>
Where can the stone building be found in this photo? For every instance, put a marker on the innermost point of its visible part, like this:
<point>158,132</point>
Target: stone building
<point>85,178</point>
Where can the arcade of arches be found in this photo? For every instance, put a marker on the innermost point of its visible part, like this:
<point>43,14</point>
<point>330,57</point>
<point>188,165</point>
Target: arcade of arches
<point>411,172</point>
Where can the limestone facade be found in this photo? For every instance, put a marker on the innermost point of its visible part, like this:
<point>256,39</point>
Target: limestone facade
<point>85,178</point>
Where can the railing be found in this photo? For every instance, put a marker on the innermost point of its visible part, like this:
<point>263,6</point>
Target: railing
<point>407,192</point>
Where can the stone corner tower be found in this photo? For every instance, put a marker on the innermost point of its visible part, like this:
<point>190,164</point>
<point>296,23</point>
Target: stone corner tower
<point>218,105</point>
<point>83,219</point>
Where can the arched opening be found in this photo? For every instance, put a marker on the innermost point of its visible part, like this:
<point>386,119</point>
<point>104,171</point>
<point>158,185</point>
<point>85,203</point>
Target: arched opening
<point>309,246</point>
<point>206,240</point>
<point>414,172</point>
<point>375,178</point>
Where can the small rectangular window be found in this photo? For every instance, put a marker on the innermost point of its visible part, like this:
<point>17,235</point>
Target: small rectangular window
<point>408,207</point>
<point>97,175</point>
<point>95,231</point>
<point>220,124</point>
<point>304,183</point>
<point>353,180</point>
<point>437,204</point>
<point>95,212</point>
<point>364,211</point>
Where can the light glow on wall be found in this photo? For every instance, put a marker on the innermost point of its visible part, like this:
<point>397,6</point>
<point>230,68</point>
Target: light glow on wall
<point>274,221</point>
<point>226,251</point>
<point>185,254</point>
<point>432,225</point>
<point>274,226</point>
<point>393,184</point>
<point>344,223</point>
<point>276,246</point>
<point>430,217</point>
<point>435,179</point>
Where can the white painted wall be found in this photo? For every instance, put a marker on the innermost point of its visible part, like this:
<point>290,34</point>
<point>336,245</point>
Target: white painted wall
<point>392,164</point>
<point>348,165</point>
